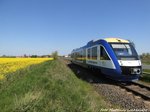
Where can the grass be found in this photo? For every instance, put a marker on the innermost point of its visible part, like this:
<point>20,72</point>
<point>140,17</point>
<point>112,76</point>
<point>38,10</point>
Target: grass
<point>146,77</point>
<point>146,61</point>
<point>146,70</point>
<point>48,87</point>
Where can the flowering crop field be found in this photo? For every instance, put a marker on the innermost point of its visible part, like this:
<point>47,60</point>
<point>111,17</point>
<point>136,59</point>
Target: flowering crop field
<point>9,65</point>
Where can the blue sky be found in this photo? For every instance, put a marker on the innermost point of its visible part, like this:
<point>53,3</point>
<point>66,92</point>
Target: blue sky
<point>43,26</point>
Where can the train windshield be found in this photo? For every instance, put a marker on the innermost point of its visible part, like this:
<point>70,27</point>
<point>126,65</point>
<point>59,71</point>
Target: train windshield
<point>124,51</point>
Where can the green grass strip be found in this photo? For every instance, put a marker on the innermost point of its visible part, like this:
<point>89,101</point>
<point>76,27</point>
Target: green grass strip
<point>48,87</point>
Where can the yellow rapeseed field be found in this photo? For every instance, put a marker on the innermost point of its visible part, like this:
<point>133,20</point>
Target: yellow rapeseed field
<point>9,65</point>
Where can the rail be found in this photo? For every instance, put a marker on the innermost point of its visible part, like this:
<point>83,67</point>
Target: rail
<point>137,89</point>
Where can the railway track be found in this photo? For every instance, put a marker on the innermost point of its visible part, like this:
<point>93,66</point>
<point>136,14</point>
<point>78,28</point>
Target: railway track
<point>110,89</point>
<point>135,87</point>
<point>138,89</point>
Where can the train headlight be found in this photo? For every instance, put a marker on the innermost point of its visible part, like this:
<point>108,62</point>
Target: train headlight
<point>135,71</point>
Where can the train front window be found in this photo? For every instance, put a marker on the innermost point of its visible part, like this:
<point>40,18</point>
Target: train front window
<point>124,50</point>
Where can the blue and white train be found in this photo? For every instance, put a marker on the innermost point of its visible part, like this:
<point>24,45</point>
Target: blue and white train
<point>116,58</point>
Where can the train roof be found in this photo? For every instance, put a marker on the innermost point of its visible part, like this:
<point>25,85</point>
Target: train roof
<point>116,40</point>
<point>109,40</point>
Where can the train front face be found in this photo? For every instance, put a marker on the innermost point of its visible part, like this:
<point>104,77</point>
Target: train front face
<point>129,61</point>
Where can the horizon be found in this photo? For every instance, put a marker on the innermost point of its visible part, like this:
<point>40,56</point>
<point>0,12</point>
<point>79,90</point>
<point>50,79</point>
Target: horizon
<point>43,26</point>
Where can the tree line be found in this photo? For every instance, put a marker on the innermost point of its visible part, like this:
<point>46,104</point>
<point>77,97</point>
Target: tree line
<point>145,56</point>
<point>53,54</point>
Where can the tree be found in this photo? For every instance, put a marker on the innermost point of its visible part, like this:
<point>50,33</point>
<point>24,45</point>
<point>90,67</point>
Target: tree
<point>55,55</point>
<point>34,56</point>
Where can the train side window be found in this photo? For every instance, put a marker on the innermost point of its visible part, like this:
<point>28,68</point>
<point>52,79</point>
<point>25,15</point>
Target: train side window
<point>88,53</point>
<point>94,53</point>
<point>84,54</point>
<point>81,55</point>
<point>77,55</point>
<point>103,54</point>
<point>72,55</point>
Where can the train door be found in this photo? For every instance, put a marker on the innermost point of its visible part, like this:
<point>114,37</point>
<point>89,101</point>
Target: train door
<point>105,60</point>
<point>92,56</point>
<point>88,54</point>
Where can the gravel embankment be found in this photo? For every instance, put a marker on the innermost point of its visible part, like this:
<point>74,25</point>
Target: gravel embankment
<point>113,94</point>
<point>117,96</point>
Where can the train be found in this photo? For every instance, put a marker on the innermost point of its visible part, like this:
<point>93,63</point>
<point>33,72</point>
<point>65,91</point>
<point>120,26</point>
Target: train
<point>115,58</point>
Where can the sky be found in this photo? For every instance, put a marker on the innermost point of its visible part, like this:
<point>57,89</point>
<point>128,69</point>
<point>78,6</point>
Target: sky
<point>43,26</point>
